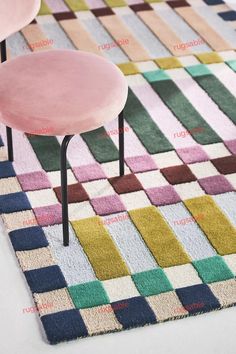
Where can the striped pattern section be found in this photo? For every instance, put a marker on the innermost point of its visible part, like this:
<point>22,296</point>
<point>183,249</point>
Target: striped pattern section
<point>100,250</point>
<point>160,242</point>
<point>158,237</point>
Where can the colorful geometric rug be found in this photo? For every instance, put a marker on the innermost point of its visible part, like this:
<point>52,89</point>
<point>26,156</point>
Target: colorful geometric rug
<point>160,242</point>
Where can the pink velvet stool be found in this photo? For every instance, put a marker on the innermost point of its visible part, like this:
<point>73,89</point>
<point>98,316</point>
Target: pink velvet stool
<point>14,15</point>
<point>67,90</point>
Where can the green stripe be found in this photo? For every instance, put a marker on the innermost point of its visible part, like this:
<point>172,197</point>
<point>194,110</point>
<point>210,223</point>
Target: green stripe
<point>181,107</point>
<point>216,90</point>
<point>47,150</point>
<point>100,145</point>
<point>144,127</point>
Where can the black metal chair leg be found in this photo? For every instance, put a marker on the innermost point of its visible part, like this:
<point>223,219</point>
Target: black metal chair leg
<point>9,130</point>
<point>9,144</point>
<point>3,51</point>
<point>64,197</point>
<point>121,143</point>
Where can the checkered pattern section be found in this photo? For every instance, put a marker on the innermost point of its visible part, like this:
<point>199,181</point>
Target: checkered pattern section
<point>158,243</point>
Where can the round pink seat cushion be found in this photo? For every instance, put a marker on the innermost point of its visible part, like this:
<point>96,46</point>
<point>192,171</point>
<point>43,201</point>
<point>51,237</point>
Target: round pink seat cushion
<point>60,92</point>
<point>16,14</point>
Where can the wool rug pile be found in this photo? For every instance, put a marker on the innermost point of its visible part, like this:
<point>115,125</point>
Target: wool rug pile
<point>160,242</point>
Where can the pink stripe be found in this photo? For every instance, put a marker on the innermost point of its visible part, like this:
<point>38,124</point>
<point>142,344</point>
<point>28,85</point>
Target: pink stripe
<point>225,75</point>
<point>162,116</point>
<point>95,4</point>
<point>57,6</point>
<point>219,122</point>
<point>78,153</point>
<point>133,147</point>
<point>25,159</point>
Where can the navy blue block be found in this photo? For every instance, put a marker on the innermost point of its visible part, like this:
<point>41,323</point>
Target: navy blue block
<point>228,15</point>
<point>1,142</point>
<point>214,2</point>
<point>64,326</point>
<point>10,203</point>
<point>28,239</point>
<point>137,312</point>
<point>6,169</point>
<point>197,298</point>
<point>45,279</point>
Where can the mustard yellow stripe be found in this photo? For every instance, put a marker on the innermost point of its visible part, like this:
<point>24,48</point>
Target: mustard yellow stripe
<point>160,239</point>
<point>44,9</point>
<point>115,3</point>
<point>77,5</point>
<point>100,249</point>
<point>218,229</point>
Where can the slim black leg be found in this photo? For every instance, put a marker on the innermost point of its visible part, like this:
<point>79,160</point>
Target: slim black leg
<point>64,197</point>
<point>121,143</point>
<point>3,51</point>
<point>9,130</point>
<point>9,144</point>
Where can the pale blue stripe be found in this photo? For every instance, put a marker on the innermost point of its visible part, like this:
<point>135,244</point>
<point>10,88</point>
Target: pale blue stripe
<point>72,260</point>
<point>180,27</point>
<point>101,36</point>
<point>227,203</point>
<point>190,235</point>
<point>217,23</point>
<point>52,30</point>
<point>131,245</point>
<point>17,45</point>
<point>148,40</point>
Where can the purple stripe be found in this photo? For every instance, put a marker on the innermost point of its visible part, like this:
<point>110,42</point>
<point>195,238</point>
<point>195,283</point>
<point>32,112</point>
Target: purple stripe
<point>162,116</point>
<point>133,2</point>
<point>78,153</point>
<point>95,4</point>
<point>133,146</point>
<point>57,6</point>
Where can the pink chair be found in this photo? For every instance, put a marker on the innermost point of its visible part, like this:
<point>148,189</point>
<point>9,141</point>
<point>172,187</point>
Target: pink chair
<point>69,91</point>
<point>14,15</point>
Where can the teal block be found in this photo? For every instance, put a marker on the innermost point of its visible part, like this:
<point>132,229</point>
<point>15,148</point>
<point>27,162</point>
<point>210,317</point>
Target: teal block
<point>231,64</point>
<point>198,70</point>
<point>88,294</point>
<point>213,269</point>
<point>152,282</point>
<point>157,75</point>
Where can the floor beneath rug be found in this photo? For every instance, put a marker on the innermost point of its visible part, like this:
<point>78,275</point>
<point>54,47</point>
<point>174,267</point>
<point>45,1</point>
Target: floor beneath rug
<point>160,243</point>
<point>215,329</point>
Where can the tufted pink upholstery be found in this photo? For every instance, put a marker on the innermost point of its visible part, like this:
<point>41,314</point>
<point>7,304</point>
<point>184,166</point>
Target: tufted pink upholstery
<point>60,92</point>
<point>16,14</point>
